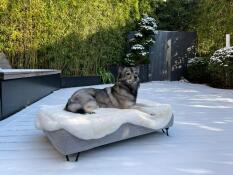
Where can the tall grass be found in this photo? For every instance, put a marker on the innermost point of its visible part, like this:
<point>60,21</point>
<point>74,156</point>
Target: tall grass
<point>75,36</point>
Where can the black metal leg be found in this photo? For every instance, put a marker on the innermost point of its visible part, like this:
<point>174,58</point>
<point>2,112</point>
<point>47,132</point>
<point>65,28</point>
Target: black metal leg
<point>77,156</point>
<point>167,131</point>
<point>163,131</point>
<point>67,158</point>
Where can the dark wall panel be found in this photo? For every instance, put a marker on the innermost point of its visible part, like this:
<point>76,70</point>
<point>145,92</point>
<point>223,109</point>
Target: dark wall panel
<point>170,53</point>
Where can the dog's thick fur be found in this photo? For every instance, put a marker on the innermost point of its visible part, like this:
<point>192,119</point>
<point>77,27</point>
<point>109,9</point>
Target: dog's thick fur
<point>122,95</point>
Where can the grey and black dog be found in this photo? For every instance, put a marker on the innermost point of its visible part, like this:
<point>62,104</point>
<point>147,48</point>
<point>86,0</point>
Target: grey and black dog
<point>122,95</point>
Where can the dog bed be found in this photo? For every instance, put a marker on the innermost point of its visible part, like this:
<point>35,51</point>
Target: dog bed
<point>73,133</point>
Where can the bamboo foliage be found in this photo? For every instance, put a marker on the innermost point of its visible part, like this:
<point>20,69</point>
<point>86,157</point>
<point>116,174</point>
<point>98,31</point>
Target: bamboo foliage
<point>76,36</point>
<point>213,19</point>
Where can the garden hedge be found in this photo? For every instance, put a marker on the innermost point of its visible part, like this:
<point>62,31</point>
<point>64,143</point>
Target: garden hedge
<point>76,36</point>
<point>213,19</point>
<point>80,37</point>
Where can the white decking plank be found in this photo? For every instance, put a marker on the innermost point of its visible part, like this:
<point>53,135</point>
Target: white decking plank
<point>24,146</point>
<point>200,142</point>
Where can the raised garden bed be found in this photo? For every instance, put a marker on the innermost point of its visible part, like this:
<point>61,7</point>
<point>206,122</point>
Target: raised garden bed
<point>80,81</point>
<point>22,87</point>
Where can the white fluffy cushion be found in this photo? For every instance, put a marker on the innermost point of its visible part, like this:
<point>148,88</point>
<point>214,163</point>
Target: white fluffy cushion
<point>105,120</point>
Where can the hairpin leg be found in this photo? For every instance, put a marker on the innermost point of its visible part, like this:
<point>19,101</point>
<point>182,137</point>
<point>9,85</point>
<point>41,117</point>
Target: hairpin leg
<point>167,131</point>
<point>163,131</point>
<point>67,158</point>
<point>77,156</point>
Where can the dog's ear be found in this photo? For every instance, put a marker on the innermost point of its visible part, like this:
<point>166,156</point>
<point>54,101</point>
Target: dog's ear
<point>120,70</point>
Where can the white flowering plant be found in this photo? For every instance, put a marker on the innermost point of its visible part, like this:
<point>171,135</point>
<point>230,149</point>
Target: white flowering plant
<point>222,57</point>
<point>198,61</point>
<point>141,42</point>
<point>221,67</point>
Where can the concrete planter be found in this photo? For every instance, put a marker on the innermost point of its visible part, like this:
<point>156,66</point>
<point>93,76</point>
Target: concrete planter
<point>20,88</point>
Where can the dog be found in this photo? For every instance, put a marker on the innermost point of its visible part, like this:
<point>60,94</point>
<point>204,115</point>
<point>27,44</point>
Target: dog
<point>122,95</point>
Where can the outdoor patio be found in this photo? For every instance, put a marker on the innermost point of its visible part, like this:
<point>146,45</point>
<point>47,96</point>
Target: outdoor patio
<point>200,141</point>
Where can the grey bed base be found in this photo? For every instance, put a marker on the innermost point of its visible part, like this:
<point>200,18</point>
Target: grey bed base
<point>67,144</point>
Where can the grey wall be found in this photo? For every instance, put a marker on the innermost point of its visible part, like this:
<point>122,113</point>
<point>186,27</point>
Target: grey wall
<point>170,53</point>
<point>16,94</point>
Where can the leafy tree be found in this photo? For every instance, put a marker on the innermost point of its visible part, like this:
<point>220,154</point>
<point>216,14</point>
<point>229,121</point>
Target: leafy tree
<point>141,41</point>
<point>175,14</point>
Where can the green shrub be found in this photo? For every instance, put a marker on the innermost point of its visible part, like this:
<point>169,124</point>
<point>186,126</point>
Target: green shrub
<point>221,68</point>
<point>76,36</point>
<point>197,70</point>
<point>106,76</point>
<point>216,71</point>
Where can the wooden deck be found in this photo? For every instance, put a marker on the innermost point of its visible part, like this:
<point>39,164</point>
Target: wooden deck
<point>201,139</point>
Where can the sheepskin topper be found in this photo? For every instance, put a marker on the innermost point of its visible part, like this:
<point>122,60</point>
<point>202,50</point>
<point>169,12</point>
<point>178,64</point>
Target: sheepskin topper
<point>104,121</point>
